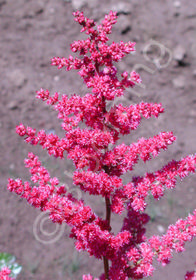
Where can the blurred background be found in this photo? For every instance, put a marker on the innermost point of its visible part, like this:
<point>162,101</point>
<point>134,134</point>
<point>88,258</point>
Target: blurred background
<point>32,32</point>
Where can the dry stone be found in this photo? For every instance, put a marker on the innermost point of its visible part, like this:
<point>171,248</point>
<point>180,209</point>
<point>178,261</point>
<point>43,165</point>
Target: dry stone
<point>17,78</point>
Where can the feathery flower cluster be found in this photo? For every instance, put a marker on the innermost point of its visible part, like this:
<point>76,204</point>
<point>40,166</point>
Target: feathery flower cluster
<point>122,158</point>
<point>128,254</point>
<point>88,277</point>
<point>190,275</point>
<point>128,118</point>
<point>5,274</point>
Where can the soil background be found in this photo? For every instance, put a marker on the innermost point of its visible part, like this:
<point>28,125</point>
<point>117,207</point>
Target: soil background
<point>32,32</point>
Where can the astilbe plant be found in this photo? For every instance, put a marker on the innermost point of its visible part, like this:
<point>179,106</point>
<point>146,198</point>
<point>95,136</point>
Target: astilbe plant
<point>129,254</point>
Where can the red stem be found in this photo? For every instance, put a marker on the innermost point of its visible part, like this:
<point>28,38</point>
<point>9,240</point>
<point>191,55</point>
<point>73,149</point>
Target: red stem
<point>108,215</point>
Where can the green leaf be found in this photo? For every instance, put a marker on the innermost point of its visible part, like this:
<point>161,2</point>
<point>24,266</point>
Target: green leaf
<point>9,261</point>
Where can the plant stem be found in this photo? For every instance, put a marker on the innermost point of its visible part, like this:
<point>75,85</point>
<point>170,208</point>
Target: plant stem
<point>106,268</point>
<point>108,215</point>
<point>108,210</point>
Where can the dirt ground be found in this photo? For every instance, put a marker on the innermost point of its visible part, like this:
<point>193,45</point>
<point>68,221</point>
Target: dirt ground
<point>32,32</point>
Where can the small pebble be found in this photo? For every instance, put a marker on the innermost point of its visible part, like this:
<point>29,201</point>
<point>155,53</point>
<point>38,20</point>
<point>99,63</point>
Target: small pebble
<point>12,105</point>
<point>160,229</point>
<point>192,113</point>
<point>17,78</point>
<point>123,24</point>
<point>179,53</point>
<point>177,4</point>
<point>121,8</point>
<point>12,166</point>
<point>56,78</point>
<point>79,4</point>
<point>179,82</point>
<point>193,48</point>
